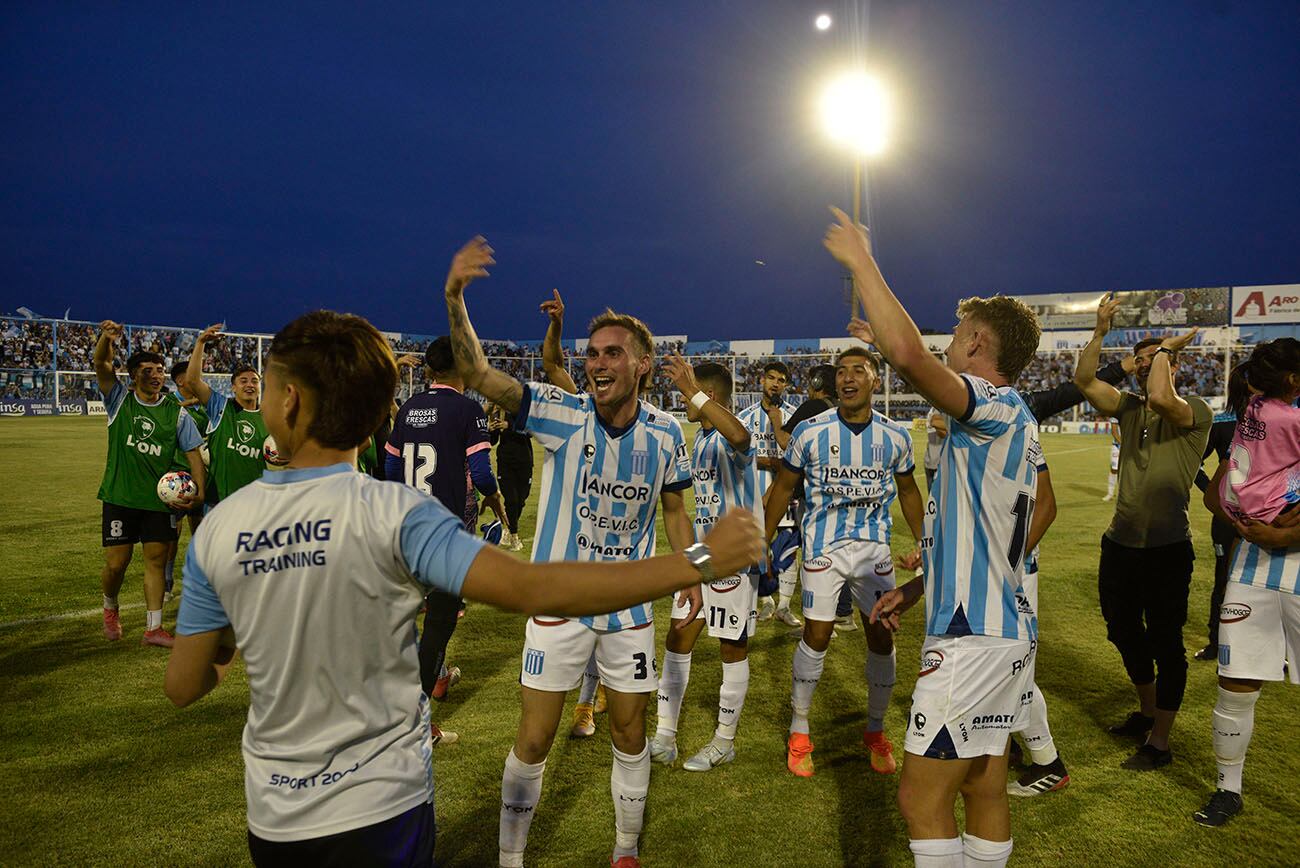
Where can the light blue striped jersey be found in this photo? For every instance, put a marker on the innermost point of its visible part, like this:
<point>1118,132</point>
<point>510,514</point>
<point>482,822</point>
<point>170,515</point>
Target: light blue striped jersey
<point>848,477</point>
<point>977,520</point>
<point>725,479</point>
<point>601,486</point>
<point>756,420</point>
<point>1275,569</point>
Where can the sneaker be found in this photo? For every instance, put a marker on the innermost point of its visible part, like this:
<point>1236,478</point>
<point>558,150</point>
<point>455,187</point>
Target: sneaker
<point>1209,652</point>
<point>785,616</point>
<point>449,679</point>
<point>624,862</point>
<point>663,750</point>
<point>709,757</point>
<point>516,544</point>
<point>507,540</point>
<point>442,736</point>
<point>158,636</point>
<point>1148,759</point>
<point>1108,498</point>
<point>846,624</point>
<point>112,625</point>
<point>1136,725</point>
<point>602,702</point>
<point>798,754</point>
<point>584,721</point>
<point>1040,779</point>
<point>766,609</point>
<point>1222,807</point>
<point>167,596</point>
<point>882,752</point>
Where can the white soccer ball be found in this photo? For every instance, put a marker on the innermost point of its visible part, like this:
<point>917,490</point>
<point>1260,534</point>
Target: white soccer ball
<point>271,453</point>
<point>175,485</point>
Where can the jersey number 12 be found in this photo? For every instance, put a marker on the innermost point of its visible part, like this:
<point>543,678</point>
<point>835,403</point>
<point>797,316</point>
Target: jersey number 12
<point>419,461</point>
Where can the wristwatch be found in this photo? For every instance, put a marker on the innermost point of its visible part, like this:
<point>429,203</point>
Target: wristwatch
<point>1164,350</point>
<point>702,559</point>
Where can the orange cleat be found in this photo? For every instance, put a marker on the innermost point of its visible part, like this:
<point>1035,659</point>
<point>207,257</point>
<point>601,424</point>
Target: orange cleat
<point>158,636</point>
<point>112,625</point>
<point>882,752</point>
<point>798,758</point>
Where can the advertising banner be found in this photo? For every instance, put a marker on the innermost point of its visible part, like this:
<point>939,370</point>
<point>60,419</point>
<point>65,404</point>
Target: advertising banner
<point>1202,306</point>
<point>1279,303</point>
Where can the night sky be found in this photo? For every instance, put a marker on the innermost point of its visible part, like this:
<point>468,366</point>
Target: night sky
<point>185,163</point>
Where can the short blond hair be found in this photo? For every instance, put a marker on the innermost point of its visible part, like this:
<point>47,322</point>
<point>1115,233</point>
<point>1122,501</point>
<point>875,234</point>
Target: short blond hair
<point>641,336</point>
<point>1015,325</point>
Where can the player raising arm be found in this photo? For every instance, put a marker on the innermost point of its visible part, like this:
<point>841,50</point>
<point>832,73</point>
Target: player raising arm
<point>978,655</point>
<point>552,353</point>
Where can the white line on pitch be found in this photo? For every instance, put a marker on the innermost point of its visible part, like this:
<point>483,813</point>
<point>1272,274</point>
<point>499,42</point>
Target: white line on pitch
<point>65,616</point>
<point>1080,449</point>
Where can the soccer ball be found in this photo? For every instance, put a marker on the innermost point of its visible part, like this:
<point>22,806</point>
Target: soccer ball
<point>175,485</point>
<point>272,454</point>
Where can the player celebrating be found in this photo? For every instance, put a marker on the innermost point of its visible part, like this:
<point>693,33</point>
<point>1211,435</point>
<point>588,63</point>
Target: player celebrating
<point>978,657</point>
<point>145,428</point>
<point>318,572</point>
<point>725,477</point>
<point>236,431</point>
<point>764,419</point>
<point>610,457</point>
<point>852,461</point>
<point>195,409</point>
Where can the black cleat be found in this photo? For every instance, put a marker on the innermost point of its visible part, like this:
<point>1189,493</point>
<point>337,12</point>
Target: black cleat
<point>1222,807</point>
<point>1209,652</point>
<point>1148,759</point>
<point>1041,779</point>
<point>1136,725</point>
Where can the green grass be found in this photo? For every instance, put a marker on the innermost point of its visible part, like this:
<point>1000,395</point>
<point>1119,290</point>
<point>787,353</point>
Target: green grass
<point>100,769</point>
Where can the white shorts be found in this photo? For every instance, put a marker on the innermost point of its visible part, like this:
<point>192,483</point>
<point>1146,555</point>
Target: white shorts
<point>867,566</point>
<point>1114,458</point>
<point>969,696</point>
<point>730,607</point>
<point>556,651</point>
<point>1259,628</point>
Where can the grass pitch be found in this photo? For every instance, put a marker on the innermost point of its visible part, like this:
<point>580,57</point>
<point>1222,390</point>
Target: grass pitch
<point>100,769</point>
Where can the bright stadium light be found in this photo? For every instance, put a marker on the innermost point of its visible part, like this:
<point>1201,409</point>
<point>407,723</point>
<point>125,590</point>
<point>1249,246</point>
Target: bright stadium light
<point>822,22</point>
<point>855,112</point>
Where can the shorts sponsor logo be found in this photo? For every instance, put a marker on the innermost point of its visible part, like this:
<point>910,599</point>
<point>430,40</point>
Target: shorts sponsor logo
<point>534,660</point>
<point>549,622</point>
<point>992,721</point>
<point>1021,665</point>
<point>1231,613</point>
<point>930,662</point>
<point>725,586</point>
<point>885,567</point>
<point>817,564</point>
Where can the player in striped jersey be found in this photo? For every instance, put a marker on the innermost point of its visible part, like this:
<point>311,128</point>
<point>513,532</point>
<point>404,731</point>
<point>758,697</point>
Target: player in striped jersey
<point>610,459</point>
<point>978,657</point>
<point>722,464</point>
<point>764,419</point>
<point>852,462</point>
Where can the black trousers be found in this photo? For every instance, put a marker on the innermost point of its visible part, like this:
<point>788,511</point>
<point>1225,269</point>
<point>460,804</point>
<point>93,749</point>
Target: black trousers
<point>404,841</point>
<point>440,618</point>
<point>1143,596</point>
<point>1224,537</point>
<point>516,480</point>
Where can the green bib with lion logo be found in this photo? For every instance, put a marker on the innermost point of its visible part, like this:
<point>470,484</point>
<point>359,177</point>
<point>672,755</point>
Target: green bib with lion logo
<point>236,449</point>
<point>141,442</point>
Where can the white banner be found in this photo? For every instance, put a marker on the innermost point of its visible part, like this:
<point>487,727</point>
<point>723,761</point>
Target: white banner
<point>96,408</point>
<point>1279,303</point>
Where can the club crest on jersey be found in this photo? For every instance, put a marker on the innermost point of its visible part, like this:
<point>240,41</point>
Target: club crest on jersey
<point>640,461</point>
<point>244,430</point>
<point>534,660</point>
<point>144,427</point>
<point>878,454</point>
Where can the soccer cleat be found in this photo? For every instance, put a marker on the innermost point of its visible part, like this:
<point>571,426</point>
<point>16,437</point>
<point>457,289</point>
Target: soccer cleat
<point>846,624</point>
<point>624,862</point>
<point>710,756</point>
<point>1209,652</point>
<point>158,636</point>
<point>785,616</point>
<point>449,679</point>
<point>601,701</point>
<point>516,544</point>
<point>1040,779</point>
<point>507,540</point>
<point>1222,807</point>
<point>882,752</point>
<point>442,736</point>
<point>112,625</point>
<point>584,722</point>
<point>798,754</point>
<point>663,750</point>
<point>1136,725</point>
<point>1148,759</point>
<point>766,609</point>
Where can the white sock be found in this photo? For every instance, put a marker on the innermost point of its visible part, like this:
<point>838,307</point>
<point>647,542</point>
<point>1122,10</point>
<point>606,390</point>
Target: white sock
<point>880,687</point>
<point>985,854</point>
<point>1110,486</point>
<point>731,698</point>
<point>785,583</point>
<point>805,673</point>
<point>1234,721</point>
<point>153,619</point>
<point>1037,735</point>
<point>590,681</point>
<point>110,602</point>
<point>521,787</point>
<point>936,852</point>
<point>628,783</point>
<point>783,601</point>
<point>672,689</point>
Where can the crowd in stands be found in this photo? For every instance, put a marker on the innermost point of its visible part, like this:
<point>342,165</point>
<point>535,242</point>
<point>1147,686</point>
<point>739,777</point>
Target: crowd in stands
<point>26,344</point>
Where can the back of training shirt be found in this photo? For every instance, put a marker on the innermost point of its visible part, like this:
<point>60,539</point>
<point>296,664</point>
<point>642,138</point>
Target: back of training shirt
<point>434,434</point>
<point>321,573</point>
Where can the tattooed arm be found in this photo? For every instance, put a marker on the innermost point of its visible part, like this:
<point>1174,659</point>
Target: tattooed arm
<point>470,262</point>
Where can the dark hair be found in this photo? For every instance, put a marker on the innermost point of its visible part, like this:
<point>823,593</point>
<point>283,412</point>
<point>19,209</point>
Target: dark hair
<point>822,379</point>
<point>140,358</point>
<point>178,369</point>
<point>346,365</point>
<point>1238,390</point>
<point>1270,366</point>
<point>717,376</point>
<point>779,367</point>
<point>872,358</point>
<point>438,357</point>
<point>243,368</point>
<point>1152,342</point>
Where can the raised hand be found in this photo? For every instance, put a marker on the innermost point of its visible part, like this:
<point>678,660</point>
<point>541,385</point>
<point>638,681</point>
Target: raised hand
<point>861,329</point>
<point>111,330</point>
<point>409,360</point>
<point>1177,342</point>
<point>554,308</point>
<point>211,332</point>
<point>682,374</point>
<point>735,542</point>
<point>469,263</point>
<point>1105,313</point>
<point>848,243</point>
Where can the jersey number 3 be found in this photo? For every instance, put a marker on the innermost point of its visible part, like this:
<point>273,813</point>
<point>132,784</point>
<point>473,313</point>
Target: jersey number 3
<point>419,461</point>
